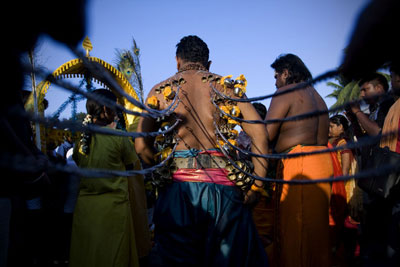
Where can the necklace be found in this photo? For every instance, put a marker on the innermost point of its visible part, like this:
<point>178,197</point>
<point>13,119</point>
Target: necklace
<point>192,66</point>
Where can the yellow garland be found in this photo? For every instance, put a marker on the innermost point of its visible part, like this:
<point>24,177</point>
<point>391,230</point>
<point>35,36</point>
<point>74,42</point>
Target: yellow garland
<point>168,93</point>
<point>232,121</point>
<point>220,144</point>
<point>159,138</point>
<point>153,102</point>
<point>165,153</point>
<point>234,132</point>
<point>243,79</point>
<point>227,110</point>
<point>233,142</point>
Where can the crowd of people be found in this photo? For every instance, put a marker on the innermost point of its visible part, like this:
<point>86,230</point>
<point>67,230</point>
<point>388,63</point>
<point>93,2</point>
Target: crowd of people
<point>314,224</point>
<point>206,212</point>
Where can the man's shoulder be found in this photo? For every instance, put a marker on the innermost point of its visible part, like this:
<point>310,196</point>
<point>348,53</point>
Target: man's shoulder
<point>285,93</point>
<point>167,81</point>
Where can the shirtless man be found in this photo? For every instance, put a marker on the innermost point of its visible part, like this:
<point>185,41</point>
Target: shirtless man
<point>303,229</point>
<point>200,218</point>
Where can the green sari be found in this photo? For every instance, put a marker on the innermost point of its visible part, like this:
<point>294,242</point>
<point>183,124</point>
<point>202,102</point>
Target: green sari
<point>102,231</point>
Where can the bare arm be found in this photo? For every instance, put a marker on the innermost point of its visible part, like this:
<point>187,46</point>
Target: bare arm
<point>371,127</point>
<point>278,109</point>
<point>144,145</point>
<point>259,145</point>
<point>368,125</point>
<point>259,139</point>
<point>346,157</point>
<point>354,123</point>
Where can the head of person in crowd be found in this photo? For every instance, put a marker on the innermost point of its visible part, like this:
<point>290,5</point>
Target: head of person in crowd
<point>192,49</point>
<point>372,86</point>
<point>290,69</point>
<point>261,109</point>
<point>395,78</point>
<point>101,114</point>
<point>338,126</point>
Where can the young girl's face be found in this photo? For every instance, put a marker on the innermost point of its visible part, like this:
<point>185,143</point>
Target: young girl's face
<point>335,130</point>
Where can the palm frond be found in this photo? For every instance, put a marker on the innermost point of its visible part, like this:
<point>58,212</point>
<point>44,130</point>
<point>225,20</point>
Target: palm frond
<point>334,85</point>
<point>334,94</point>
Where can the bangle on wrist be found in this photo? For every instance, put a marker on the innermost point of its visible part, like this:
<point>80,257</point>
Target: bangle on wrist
<point>357,112</point>
<point>259,186</point>
<point>260,190</point>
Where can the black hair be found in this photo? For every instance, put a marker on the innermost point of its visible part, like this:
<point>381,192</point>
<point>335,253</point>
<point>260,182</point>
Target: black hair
<point>261,109</point>
<point>298,72</point>
<point>340,120</point>
<point>94,109</point>
<point>375,78</point>
<point>192,49</point>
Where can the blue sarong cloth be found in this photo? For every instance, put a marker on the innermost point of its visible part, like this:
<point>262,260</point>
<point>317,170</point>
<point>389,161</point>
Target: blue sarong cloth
<point>206,224</point>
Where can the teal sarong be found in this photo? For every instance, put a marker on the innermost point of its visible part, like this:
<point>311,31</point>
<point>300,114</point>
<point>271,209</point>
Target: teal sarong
<point>206,224</point>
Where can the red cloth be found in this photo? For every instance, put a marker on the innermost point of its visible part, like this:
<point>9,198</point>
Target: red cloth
<point>398,141</point>
<point>338,195</point>
<point>211,175</point>
<point>216,176</point>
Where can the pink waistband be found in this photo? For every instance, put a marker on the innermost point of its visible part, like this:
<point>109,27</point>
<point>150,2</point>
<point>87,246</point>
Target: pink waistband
<point>216,176</point>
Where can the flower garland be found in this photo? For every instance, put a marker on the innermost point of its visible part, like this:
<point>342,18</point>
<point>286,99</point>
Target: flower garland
<point>227,126</point>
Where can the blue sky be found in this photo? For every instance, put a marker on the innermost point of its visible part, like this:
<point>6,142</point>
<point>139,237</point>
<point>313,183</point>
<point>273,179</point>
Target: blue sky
<point>244,37</point>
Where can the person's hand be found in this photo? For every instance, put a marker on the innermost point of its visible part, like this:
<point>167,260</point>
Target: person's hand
<point>355,107</point>
<point>251,197</point>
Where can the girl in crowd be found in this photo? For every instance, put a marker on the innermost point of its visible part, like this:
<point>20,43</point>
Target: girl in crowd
<point>338,136</point>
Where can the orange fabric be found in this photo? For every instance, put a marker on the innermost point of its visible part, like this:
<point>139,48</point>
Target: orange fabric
<point>338,195</point>
<point>263,216</point>
<point>391,127</point>
<point>302,235</point>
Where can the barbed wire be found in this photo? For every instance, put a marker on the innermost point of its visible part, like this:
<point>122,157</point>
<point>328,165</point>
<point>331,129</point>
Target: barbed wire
<point>30,164</point>
<point>300,116</point>
<point>152,113</point>
<point>385,169</point>
<point>300,86</point>
<point>94,68</point>
<point>78,127</point>
<point>364,141</point>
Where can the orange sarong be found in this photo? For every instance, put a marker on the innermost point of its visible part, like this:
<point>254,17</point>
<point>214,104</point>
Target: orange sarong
<point>302,233</point>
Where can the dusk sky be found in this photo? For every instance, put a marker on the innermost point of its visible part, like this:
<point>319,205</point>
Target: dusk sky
<point>244,37</point>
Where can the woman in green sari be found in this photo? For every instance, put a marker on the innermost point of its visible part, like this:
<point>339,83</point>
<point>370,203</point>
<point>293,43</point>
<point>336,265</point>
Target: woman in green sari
<point>102,231</point>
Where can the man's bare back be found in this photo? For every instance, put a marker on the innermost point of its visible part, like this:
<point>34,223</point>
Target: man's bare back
<point>309,131</point>
<point>195,110</point>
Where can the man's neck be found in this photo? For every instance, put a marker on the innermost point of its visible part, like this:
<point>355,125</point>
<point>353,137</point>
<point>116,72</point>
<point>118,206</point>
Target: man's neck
<point>192,66</point>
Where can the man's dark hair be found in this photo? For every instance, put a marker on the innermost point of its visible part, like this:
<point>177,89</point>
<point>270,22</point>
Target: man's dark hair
<point>261,109</point>
<point>375,78</point>
<point>192,49</point>
<point>298,72</point>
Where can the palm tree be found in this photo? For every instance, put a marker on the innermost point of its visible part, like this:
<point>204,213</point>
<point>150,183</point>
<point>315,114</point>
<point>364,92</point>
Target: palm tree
<point>128,63</point>
<point>343,93</point>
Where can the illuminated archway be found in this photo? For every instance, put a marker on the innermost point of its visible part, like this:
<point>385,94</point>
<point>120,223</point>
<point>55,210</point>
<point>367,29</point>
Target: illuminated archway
<point>76,69</point>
